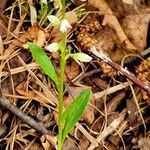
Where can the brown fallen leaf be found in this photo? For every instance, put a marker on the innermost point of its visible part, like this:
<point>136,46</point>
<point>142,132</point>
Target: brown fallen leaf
<point>102,84</point>
<point>72,70</point>
<point>98,124</point>
<point>112,146</point>
<point>70,145</point>
<point>32,34</point>
<point>115,101</point>
<point>41,38</point>
<point>48,142</point>
<point>132,111</point>
<point>144,143</point>
<point>83,142</point>
<point>35,95</point>
<point>111,20</point>
<point>34,146</point>
<point>136,26</point>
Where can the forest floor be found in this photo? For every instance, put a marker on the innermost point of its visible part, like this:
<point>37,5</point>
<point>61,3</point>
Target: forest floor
<point>118,115</point>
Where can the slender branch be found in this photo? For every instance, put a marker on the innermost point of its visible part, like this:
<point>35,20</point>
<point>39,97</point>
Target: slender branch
<point>100,54</point>
<point>87,74</point>
<point>39,126</point>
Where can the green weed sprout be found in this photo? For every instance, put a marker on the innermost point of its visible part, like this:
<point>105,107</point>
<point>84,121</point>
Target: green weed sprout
<point>66,118</point>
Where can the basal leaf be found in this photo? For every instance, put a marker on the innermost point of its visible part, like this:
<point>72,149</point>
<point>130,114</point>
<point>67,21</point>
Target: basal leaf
<point>43,61</point>
<point>73,113</point>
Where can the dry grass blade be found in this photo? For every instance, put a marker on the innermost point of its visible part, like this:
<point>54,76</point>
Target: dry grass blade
<point>51,97</point>
<point>1,45</point>
<point>19,69</point>
<point>137,105</point>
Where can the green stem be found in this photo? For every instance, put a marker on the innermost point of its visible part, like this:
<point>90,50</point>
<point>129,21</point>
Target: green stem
<point>61,83</point>
<point>61,89</point>
<point>63,8</point>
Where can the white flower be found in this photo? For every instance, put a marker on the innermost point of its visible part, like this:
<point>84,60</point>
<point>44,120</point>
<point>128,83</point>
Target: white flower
<point>54,20</point>
<point>81,57</point>
<point>44,1</point>
<point>64,25</point>
<point>53,47</point>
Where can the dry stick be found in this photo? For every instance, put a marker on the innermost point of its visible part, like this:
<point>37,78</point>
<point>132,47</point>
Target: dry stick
<point>100,54</point>
<point>93,141</point>
<point>39,126</point>
<point>110,90</point>
<point>20,69</point>
<point>112,127</point>
<point>87,74</point>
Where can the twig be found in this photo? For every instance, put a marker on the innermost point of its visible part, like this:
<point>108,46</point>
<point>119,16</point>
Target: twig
<point>142,54</point>
<point>110,90</point>
<point>100,54</point>
<point>109,129</point>
<point>26,119</point>
<point>87,74</point>
<point>93,141</point>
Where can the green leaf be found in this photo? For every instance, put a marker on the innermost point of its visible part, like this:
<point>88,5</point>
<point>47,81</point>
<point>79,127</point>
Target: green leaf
<point>43,61</point>
<point>73,113</point>
<point>81,57</point>
<point>54,20</point>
